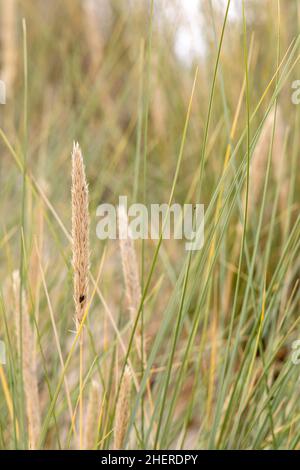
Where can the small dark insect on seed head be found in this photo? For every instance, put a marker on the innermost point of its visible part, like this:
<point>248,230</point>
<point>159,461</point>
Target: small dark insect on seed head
<point>81,298</point>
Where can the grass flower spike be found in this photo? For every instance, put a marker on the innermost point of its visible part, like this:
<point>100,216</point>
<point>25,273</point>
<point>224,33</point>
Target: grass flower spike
<point>80,232</point>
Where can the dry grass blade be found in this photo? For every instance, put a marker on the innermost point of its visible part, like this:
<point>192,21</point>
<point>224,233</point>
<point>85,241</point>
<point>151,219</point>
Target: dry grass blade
<point>129,264</point>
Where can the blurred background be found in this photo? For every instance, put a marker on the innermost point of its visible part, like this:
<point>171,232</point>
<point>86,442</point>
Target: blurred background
<point>90,79</point>
<point>117,77</point>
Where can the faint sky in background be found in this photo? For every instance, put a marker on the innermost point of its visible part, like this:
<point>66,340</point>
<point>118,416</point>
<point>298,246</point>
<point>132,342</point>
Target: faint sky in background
<point>184,15</point>
<point>189,39</point>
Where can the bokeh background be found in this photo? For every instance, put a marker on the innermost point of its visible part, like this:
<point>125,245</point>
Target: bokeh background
<point>117,77</point>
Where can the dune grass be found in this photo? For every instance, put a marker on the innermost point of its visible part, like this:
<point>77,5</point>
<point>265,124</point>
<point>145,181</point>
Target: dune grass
<point>201,356</point>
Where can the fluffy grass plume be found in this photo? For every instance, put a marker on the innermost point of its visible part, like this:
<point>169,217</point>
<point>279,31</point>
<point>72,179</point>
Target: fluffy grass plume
<point>129,264</point>
<point>122,410</point>
<point>131,276</point>
<point>30,382</point>
<point>92,415</point>
<point>80,233</point>
<point>93,33</point>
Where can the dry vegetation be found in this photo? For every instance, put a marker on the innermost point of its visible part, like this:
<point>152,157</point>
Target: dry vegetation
<point>146,345</point>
